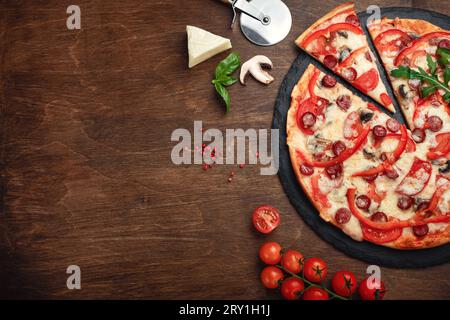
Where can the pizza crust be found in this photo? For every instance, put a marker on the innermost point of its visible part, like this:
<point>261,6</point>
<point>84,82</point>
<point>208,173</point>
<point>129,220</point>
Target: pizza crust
<point>415,26</point>
<point>336,11</point>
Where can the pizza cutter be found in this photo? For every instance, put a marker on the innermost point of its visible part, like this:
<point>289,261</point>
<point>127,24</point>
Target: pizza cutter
<point>263,22</point>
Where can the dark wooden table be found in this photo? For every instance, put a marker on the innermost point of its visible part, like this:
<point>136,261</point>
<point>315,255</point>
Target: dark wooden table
<point>86,174</point>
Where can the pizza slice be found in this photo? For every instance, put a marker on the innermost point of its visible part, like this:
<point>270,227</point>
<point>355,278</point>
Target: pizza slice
<point>416,55</point>
<point>338,41</point>
<point>362,170</point>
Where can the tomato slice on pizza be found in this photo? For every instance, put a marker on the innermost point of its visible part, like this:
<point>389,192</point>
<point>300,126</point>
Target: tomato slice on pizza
<point>338,41</point>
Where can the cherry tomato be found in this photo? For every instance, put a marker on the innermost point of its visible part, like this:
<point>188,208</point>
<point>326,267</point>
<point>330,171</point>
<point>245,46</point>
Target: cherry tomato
<point>292,261</point>
<point>314,293</point>
<point>344,283</point>
<point>315,269</point>
<point>291,288</point>
<point>266,219</point>
<point>270,253</point>
<point>374,293</point>
<point>271,276</point>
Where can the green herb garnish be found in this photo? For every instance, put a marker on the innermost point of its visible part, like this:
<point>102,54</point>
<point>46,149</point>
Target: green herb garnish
<point>223,76</point>
<point>430,81</point>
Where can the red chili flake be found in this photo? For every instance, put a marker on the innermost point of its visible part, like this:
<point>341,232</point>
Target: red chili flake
<point>242,166</point>
<point>205,166</point>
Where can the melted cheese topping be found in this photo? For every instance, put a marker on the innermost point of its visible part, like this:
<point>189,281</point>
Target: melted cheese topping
<point>332,129</point>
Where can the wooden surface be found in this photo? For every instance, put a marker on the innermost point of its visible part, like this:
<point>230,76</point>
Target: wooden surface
<point>86,176</point>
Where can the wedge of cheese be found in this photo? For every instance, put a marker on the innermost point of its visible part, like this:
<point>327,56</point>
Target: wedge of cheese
<point>202,45</point>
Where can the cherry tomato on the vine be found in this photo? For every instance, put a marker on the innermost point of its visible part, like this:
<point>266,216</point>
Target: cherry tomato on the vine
<point>292,261</point>
<point>344,283</point>
<point>266,219</point>
<point>314,293</point>
<point>368,289</point>
<point>270,253</point>
<point>271,276</point>
<point>291,288</point>
<point>315,269</point>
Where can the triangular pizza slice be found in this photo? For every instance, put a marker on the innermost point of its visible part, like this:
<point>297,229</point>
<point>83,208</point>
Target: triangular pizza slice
<point>338,41</point>
<point>416,55</point>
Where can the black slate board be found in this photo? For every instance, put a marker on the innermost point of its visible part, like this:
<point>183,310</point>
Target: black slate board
<point>365,251</point>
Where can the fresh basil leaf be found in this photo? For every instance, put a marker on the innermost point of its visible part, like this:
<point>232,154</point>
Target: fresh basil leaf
<point>224,94</point>
<point>431,64</point>
<point>446,75</point>
<point>443,55</point>
<point>228,65</point>
<point>228,81</point>
<point>401,72</point>
<point>225,80</point>
<point>427,91</point>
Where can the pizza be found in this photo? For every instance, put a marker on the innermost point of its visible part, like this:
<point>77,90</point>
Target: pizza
<point>408,44</point>
<point>338,42</point>
<point>363,170</point>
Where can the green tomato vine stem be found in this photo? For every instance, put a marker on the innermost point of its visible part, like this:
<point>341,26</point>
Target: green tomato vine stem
<point>311,284</point>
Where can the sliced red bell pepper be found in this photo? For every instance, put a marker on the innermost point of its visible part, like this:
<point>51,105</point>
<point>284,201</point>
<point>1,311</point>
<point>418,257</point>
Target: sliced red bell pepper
<point>414,45</point>
<point>321,198</point>
<point>372,171</point>
<point>391,224</point>
<point>391,158</point>
<point>380,236</point>
<point>334,27</point>
<point>312,82</point>
<point>349,60</point>
<point>416,55</point>
<point>440,190</point>
<point>410,145</point>
<point>417,178</point>
<point>374,195</point>
<point>442,149</point>
<point>347,153</point>
<point>401,145</point>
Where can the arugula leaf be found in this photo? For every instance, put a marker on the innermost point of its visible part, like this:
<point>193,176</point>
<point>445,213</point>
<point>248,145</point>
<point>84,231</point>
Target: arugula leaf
<point>433,81</point>
<point>228,65</point>
<point>224,94</point>
<point>443,55</point>
<point>431,65</point>
<point>446,75</point>
<point>402,72</point>
<point>223,76</point>
<point>427,91</point>
<point>447,97</point>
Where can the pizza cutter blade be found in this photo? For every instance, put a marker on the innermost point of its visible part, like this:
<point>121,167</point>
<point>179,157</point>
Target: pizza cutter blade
<point>263,22</point>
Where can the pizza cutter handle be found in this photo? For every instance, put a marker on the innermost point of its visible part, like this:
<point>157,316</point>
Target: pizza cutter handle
<point>231,2</point>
